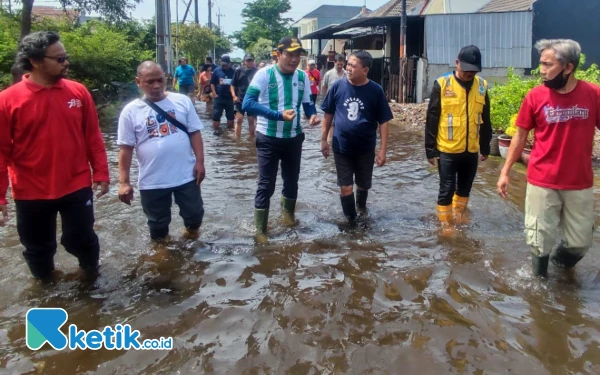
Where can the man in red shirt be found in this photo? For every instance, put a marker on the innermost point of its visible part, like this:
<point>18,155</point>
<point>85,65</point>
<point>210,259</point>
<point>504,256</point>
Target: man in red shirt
<point>49,138</point>
<point>563,114</point>
<point>315,80</point>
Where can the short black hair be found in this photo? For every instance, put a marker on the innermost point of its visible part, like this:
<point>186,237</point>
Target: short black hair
<point>148,64</point>
<point>34,47</point>
<point>339,57</point>
<point>366,60</point>
<point>208,58</point>
<point>205,67</point>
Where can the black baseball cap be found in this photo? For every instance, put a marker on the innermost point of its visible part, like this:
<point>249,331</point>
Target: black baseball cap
<point>469,59</point>
<point>248,56</point>
<point>290,44</point>
<point>225,59</point>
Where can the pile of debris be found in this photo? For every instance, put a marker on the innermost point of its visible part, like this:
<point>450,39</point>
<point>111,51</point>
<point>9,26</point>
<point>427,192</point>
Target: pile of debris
<point>410,114</point>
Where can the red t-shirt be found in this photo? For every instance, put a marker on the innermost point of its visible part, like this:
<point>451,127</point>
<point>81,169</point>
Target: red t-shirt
<point>315,78</point>
<point>564,127</point>
<point>49,138</point>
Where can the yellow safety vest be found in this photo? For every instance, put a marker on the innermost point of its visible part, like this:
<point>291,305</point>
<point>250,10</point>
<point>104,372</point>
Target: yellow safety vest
<point>455,133</point>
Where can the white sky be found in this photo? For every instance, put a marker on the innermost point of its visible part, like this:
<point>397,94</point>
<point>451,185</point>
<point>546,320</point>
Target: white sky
<point>231,9</point>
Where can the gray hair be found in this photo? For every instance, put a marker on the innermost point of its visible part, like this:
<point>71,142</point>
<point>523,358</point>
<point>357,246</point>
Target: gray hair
<point>566,50</point>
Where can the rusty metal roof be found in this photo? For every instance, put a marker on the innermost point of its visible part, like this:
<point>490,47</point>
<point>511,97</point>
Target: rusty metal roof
<point>393,8</point>
<point>507,6</point>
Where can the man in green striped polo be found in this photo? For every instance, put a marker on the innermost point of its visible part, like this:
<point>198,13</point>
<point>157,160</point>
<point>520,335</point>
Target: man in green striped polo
<point>274,97</point>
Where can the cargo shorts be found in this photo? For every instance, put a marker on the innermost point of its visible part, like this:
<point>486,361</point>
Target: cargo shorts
<point>549,212</point>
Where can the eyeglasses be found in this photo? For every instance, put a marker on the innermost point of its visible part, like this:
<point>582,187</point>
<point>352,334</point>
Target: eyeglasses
<point>58,59</point>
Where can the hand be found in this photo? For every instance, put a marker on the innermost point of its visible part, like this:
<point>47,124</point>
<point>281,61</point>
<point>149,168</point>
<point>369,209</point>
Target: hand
<point>502,185</point>
<point>314,120</point>
<point>380,159</point>
<point>126,193</point>
<point>199,172</point>
<point>483,157</point>
<point>433,161</point>
<point>236,99</point>
<point>103,188</point>
<point>289,115</point>
<point>214,95</point>
<point>325,148</point>
<point>4,218</point>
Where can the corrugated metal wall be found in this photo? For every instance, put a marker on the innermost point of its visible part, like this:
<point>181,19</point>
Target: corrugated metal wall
<point>505,39</point>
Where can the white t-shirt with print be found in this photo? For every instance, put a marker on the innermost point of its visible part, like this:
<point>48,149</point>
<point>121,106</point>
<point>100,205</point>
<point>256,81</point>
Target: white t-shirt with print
<point>164,152</point>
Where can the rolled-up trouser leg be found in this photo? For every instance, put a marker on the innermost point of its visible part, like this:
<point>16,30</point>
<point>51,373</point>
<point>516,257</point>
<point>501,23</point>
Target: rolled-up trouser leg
<point>542,217</point>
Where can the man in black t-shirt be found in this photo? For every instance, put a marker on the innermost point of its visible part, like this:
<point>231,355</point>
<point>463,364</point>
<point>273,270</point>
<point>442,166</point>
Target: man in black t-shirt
<point>239,84</point>
<point>360,108</point>
<point>220,86</point>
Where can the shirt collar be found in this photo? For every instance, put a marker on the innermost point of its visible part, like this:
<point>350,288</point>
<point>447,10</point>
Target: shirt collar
<point>37,87</point>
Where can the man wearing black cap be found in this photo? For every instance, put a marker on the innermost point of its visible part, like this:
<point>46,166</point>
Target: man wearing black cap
<point>239,84</point>
<point>275,96</point>
<point>458,128</point>
<point>219,83</point>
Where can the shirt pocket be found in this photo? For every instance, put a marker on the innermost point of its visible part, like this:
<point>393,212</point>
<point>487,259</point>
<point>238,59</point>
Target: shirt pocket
<point>479,104</point>
<point>451,116</point>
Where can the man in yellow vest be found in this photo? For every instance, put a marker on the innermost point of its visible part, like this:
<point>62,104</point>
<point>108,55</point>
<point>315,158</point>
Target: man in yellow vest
<point>458,128</point>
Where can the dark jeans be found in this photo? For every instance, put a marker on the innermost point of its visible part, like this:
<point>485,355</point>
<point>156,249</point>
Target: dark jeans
<point>36,224</point>
<point>313,98</point>
<point>157,207</point>
<point>269,151</point>
<point>457,172</point>
<point>220,105</point>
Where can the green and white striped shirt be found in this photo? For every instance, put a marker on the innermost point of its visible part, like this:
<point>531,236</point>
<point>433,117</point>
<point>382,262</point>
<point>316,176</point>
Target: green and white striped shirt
<point>278,92</point>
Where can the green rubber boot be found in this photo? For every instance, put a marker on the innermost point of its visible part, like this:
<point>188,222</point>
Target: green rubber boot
<point>288,208</point>
<point>261,218</point>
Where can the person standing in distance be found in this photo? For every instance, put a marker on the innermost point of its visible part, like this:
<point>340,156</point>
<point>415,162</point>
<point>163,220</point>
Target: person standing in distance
<point>220,82</point>
<point>564,114</point>
<point>315,80</point>
<point>458,128</point>
<point>359,106</point>
<point>332,76</point>
<point>239,84</point>
<point>186,75</point>
<point>170,162</point>
<point>49,139</point>
<point>275,96</point>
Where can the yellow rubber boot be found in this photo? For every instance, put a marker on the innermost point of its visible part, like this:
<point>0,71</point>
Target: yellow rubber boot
<point>459,207</point>
<point>445,216</point>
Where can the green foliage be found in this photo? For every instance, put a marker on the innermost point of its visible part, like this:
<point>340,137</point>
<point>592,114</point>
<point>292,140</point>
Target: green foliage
<point>263,19</point>
<point>506,99</point>
<point>262,49</point>
<point>195,42</point>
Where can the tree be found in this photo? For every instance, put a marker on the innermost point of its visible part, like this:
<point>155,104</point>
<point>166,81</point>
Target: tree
<point>262,49</point>
<point>222,43</point>
<point>263,19</point>
<point>196,42</point>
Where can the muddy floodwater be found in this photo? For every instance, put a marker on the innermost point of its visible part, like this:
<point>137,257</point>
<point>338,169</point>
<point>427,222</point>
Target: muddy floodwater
<point>392,297</point>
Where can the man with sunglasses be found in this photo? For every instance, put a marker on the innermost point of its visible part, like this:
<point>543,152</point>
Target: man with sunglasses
<point>275,96</point>
<point>49,140</point>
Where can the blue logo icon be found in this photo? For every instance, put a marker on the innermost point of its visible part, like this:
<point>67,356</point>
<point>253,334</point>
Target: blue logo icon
<point>43,326</point>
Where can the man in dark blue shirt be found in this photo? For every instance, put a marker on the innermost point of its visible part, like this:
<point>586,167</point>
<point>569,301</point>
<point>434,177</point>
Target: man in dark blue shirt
<point>219,83</point>
<point>359,106</point>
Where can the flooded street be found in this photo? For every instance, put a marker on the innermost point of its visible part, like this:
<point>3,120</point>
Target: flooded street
<point>391,298</point>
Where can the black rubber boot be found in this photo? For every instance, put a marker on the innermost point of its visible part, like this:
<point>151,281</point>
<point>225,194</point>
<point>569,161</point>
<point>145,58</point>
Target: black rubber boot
<point>563,258</point>
<point>361,199</point>
<point>348,206</point>
<point>539,265</point>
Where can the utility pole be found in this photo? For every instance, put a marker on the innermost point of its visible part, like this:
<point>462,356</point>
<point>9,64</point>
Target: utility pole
<point>402,53</point>
<point>209,15</point>
<point>196,12</point>
<point>177,29</point>
<point>160,35</point>
<point>219,15</point>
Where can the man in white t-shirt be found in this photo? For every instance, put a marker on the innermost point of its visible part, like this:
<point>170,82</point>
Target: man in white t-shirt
<point>170,162</point>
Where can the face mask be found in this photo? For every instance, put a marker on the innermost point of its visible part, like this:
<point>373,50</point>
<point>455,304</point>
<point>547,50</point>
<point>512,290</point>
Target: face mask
<point>557,82</point>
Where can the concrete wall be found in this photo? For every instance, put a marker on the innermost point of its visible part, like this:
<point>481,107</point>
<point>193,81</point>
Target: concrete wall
<point>492,75</point>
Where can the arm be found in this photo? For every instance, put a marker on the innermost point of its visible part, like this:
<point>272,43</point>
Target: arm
<point>253,108</point>
<point>432,123</point>
<point>125,188</point>
<point>517,144</point>
<point>233,87</point>
<point>198,147</point>
<point>485,131</point>
<point>214,90</point>
<point>96,152</point>
<point>384,131</point>
<point>213,84</point>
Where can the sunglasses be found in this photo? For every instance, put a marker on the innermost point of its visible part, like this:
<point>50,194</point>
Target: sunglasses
<point>59,59</point>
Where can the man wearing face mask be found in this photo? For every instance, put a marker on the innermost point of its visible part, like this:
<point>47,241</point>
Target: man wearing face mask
<point>563,114</point>
<point>458,129</point>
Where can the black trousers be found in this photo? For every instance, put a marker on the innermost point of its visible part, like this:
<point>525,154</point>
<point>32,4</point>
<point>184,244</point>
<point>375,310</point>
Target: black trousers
<point>269,152</point>
<point>36,225</point>
<point>157,207</point>
<point>457,172</point>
